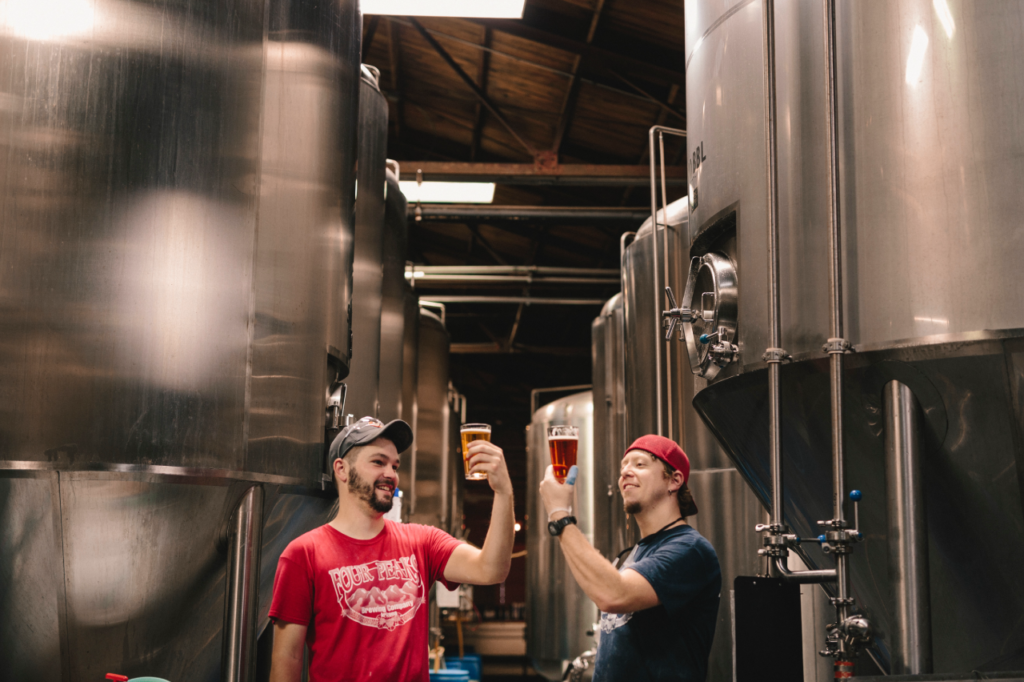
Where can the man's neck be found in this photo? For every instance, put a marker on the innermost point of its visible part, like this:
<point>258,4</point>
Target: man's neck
<point>356,520</point>
<point>652,520</point>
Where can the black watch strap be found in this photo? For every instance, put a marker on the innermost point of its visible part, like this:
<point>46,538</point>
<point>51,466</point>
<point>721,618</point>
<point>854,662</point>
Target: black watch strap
<point>556,527</point>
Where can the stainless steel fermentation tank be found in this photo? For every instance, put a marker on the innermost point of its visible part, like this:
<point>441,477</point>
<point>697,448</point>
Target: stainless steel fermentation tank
<point>363,382</point>
<point>176,200</point>
<point>435,473</point>
<point>928,156</point>
<point>397,303</point>
<point>560,617</point>
<point>625,337</point>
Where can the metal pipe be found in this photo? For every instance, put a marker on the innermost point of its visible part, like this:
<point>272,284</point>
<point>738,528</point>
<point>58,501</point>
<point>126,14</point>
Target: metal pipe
<point>510,279</point>
<point>826,575</point>
<point>509,270</point>
<point>908,536</point>
<point>836,345</point>
<point>514,299</point>
<point>657,287</point>
<point>659,370</point>
<point>437,303</point>
<point>774,354</point>
<point>459,212</point>
<point>553,389</point>
<point>238,660</point>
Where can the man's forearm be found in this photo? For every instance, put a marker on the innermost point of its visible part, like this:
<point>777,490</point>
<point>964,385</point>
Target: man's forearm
<point>496,554</point>
<point>595,574</point>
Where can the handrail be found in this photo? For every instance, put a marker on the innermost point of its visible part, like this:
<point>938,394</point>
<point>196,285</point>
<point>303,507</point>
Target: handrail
<point>659,370</point>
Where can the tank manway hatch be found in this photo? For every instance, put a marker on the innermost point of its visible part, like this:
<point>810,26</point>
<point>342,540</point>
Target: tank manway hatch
<point>711,297</point>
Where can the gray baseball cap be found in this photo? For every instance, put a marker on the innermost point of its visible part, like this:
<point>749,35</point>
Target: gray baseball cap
<point>367,430</point>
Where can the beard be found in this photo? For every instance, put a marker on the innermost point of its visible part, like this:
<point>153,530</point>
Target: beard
<point>632,507</point>
<point>368,493</point>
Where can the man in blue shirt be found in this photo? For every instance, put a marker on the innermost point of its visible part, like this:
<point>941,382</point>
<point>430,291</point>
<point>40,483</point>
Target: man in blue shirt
<point>658,610</point>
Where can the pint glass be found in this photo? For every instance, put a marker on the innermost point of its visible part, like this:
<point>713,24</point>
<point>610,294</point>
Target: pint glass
<point>470,433</point>
<point>563,441</point>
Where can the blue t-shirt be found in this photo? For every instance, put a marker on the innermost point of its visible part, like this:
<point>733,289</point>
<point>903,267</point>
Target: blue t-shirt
<point>672,640</point>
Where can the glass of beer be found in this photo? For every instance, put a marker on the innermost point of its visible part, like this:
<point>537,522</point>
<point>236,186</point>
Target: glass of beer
<point>563,441</point>
<point>470,433</point>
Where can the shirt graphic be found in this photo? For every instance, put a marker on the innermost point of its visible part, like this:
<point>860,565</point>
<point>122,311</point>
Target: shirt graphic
<point>380,594</point>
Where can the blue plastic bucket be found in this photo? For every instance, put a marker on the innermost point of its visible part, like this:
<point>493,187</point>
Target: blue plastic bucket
<point>471,663</point>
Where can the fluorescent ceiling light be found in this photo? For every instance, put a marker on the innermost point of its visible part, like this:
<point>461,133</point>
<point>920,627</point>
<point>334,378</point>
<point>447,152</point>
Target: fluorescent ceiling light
<point>448,192</point>
<point>492,9</point>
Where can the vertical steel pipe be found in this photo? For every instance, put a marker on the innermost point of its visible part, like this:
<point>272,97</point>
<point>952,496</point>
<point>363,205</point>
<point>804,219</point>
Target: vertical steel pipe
<point>658,369</point>
<point>908,535</point>
<point>774,352</point>
<point>238,660</point>
<point>836,346</point>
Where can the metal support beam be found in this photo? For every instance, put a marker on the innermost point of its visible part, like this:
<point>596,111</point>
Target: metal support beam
<point>908,533</point>
<point>238,659</point>
<point>517,280</point>
<point>539,270</point>
<point>459,213</point>
<point>531,174</point>
<point>484,99</point>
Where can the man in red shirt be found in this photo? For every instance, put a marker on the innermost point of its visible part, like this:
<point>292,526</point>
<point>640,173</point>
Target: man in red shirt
<point>356,589</point>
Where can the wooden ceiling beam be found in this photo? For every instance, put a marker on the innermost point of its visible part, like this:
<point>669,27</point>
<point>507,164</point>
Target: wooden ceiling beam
<point>371,32</point>
<point>595,58</point>
<point>481,112</point>
<point>484,99</point>
<point>395,57</point>
<point>573,91</point>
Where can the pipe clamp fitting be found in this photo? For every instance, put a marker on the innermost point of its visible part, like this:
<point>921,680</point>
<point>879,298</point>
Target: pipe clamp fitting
<point>837,346</point>
<point>776,355</point>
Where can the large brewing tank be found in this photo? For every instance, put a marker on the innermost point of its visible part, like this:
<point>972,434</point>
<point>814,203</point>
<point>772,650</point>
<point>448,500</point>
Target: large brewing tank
<point>437,477</point>
<point>728,509</point>
<point>176,219</point>
<point>929,150</point>
<point>558,613</point>
<point>396,297</point>
<point>612,530</point>
<point>363,382</point>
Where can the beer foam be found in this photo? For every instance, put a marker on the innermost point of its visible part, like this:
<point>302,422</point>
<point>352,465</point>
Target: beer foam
<point>563,437</point>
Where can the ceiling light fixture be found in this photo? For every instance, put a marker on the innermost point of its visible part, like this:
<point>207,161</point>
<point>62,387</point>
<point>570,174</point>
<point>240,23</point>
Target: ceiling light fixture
<point>490,9</point>
<point>448,192</point>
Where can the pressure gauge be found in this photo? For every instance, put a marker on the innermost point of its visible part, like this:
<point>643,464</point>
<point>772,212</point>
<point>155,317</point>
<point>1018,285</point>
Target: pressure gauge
<point>711,298</point>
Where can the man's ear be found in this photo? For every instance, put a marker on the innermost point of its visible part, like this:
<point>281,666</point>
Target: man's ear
<point>340,467</point>
<point>677,482</point>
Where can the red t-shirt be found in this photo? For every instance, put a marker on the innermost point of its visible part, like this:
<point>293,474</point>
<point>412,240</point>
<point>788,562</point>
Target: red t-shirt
<point>364,601</point>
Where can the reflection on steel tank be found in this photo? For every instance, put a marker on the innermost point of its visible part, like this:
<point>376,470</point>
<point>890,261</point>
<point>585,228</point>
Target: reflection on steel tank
<point>175,276</point>
<point>367,270</point>
<point>559,615</point>
<point>436,478</point>
<point>928,158</point>
<point>728,509</point>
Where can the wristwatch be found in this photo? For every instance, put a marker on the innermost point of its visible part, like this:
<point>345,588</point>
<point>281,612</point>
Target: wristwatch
<point>556,527</point>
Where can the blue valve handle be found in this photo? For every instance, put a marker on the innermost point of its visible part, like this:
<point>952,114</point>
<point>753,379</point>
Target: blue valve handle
<point>703,338</point>
<point>821,539</point>
<point>856,495</point>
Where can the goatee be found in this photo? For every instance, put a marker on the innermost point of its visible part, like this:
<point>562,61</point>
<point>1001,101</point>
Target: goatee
<point>368,493</point>
<point>632,507</point>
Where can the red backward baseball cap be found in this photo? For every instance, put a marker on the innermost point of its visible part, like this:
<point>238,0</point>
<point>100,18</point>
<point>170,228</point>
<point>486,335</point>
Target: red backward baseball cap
<point>664,449</point>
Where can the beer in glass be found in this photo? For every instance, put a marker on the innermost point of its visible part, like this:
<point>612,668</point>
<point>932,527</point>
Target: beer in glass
<point>470,433</point>
<point>563,442</point>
